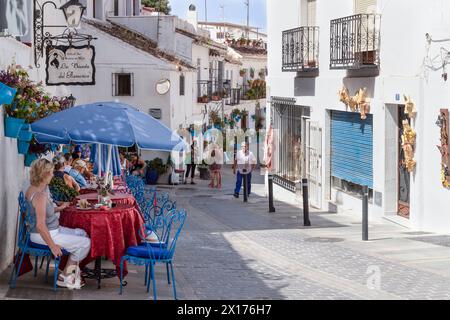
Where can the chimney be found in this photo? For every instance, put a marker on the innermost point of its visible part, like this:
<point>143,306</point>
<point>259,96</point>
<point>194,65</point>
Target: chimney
<point>192,16</point>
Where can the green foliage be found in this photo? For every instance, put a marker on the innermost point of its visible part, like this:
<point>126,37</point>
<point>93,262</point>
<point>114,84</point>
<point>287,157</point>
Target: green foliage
<point>160,5</point>
<point>31,101</point>
<point>61,191</point>
<point>158,165</point>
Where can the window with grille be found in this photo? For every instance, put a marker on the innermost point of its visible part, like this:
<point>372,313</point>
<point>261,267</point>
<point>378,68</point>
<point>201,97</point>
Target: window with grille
<point>182,85</point>
<point>116,7</point>
<point>123,84</point>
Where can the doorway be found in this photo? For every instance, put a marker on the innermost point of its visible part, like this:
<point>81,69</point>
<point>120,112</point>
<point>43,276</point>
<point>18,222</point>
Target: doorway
<point>404,176</point>
<point>313,159</point>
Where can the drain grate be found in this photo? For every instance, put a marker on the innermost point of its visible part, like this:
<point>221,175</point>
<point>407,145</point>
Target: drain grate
<point>324,240</point>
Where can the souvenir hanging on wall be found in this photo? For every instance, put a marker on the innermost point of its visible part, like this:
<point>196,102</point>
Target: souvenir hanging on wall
<point>408,145</point>
<point>358,102</point>
<point>410,107</point>
<point>442,122</point>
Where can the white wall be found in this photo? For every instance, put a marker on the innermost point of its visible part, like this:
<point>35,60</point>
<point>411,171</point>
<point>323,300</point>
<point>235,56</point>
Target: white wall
<point>169,40</point>
<point>146,68</point>
<point>12,170</point>
<point>403,52</point>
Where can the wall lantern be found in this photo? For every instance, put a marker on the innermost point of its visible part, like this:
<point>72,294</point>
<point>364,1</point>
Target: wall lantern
<point>73,11</point>
<point>71,100</point>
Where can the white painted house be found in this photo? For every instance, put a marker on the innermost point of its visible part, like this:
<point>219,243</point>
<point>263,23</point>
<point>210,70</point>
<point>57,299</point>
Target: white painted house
<point>222,30</point>
<point>316,48</point>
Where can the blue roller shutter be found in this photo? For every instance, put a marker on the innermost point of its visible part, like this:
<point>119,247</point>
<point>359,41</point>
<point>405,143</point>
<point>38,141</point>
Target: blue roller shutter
<point>352,147</point>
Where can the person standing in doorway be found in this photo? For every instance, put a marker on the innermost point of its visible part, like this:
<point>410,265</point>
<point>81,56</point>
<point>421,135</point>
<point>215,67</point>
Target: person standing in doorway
<point>245,163</point>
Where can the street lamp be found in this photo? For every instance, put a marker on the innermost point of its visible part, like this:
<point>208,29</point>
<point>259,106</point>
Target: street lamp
<point>73,11</point>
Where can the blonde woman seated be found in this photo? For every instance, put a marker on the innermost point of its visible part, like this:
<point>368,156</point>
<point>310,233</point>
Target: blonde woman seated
<point>47,230</point>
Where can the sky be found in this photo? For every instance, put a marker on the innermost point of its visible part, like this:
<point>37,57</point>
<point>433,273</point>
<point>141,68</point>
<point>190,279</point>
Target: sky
<point>235,11</point>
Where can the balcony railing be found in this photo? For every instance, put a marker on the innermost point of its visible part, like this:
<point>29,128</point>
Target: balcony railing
<point>301,49</point>
<point>355,42</point>
<point>234,95</point>
<point>211,90</point>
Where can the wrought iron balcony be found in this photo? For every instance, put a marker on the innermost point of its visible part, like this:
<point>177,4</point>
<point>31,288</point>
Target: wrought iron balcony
<point>355,42</point>
<point>211,90</point>
<point>301,49</point>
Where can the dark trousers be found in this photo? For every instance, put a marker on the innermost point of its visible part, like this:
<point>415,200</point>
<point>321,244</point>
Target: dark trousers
<point>239,178</point>
<point>190,168</point>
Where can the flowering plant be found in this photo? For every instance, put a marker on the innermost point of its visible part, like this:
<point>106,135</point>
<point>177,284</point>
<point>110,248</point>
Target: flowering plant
<point>104,186</point>
<point>31,101</point>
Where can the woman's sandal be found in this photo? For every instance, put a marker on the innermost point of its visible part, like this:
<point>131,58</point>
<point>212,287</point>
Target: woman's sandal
<point>69,281</point>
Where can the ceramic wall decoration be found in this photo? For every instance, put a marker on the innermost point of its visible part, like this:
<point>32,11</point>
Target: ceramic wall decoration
<point>408,145</point>
<point>358,102</point>
<point>443,148</point>
<point>410,107</point>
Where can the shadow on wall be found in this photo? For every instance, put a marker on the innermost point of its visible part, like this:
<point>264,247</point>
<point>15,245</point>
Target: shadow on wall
<point>354,84</point>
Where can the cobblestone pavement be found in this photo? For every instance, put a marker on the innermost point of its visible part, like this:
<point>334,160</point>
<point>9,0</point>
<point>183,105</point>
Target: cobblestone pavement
<point>235,250</point>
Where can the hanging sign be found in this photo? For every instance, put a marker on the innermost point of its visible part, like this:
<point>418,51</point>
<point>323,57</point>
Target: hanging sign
<point>70,65</point>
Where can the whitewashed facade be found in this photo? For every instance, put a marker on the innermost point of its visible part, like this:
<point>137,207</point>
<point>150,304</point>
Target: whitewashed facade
<point>12,169</point>
<point>410,64</point>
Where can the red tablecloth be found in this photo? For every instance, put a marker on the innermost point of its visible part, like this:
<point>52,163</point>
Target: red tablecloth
<point>111,232</point>
<point>117,198</point>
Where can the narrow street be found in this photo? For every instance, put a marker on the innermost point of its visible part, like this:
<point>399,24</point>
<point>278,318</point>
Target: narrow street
<point>232,250</point>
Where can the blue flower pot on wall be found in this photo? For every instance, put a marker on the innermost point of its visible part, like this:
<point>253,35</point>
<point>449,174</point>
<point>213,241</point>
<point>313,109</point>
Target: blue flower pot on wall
<point>13,126</point>
<point>25,133</point>
<point>29,158</point>
<point>23,146</point>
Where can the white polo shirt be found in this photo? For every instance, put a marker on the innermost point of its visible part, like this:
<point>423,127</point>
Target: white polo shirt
<point>245,161</point>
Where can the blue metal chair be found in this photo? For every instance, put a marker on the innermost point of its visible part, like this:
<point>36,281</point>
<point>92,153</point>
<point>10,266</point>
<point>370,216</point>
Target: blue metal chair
<point>162,251</point>
<point>26,223</point>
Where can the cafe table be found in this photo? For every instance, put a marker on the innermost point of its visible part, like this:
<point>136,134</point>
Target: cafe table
<point>117,198</point>
<point>111,232</point>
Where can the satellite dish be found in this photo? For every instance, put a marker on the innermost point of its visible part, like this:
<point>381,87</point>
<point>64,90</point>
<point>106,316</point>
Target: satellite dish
<point>163,86</point>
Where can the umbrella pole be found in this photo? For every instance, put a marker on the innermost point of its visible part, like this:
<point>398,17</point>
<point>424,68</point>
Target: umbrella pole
<point>108,164</point>
<point>99,159</point>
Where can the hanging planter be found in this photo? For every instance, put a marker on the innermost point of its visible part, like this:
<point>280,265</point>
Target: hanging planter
<point>13,126</point>
<point>23,147</point>
<point>29,158</point>
<point>25,134</point>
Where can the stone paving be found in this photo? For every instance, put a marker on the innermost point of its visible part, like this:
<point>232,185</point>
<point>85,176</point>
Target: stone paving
<point>235,250</point>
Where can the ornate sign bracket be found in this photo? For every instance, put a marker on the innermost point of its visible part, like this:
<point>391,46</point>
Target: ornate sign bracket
<point>43,38</point>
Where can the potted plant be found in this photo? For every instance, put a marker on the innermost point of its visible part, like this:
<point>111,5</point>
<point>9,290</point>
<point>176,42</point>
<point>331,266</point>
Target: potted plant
<point>242,72</point>
<point>155,168</point>
<point>204,99</point>
<point>29,104</point>
<point>215,96</point>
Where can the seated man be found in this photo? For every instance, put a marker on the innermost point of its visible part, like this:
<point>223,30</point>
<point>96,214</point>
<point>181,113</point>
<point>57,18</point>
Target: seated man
<point>77,171</point>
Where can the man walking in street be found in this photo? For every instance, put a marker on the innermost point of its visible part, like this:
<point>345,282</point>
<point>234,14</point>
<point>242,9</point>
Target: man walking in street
<point>245,163</point>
